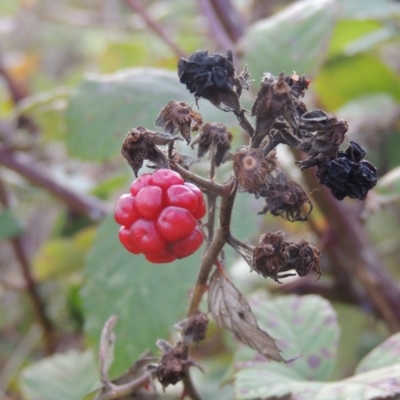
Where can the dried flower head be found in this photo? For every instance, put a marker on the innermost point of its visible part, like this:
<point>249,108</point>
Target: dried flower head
<point>347,175</point>
<point>173,364</point>
<point>303,257</point>
<point>141,144</point>
<point>323,144</point>
<point>214,136</point>
<point>178,117</point>
<point>277,98</point>
<point>269,255</point>
<point>285,198</point>
<point>195,327</point>
<point>251,168</point>
<point>213,78</point>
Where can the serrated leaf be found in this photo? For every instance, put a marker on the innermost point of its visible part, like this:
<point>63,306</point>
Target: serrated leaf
<point>302,325</point>
<point>68,376</point>
<point>104,108</point>
<point>9,225</point>
<point>255,383</point>
<point>147,298</point>
<point>231,310</point>
<point>293,39</point>
<point>384,355</point>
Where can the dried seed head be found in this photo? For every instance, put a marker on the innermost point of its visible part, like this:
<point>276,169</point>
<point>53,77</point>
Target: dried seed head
<point>251,168</point>
<point>195,328</point>
<point>172,366</point>
<point>285,198</point>
<point>211,77</point>
<point>178,117</point>
<point>214,135</point>
<point>347,175</point>
<point>269,255</point>
<point>140,144</point>
<point>303,257</point>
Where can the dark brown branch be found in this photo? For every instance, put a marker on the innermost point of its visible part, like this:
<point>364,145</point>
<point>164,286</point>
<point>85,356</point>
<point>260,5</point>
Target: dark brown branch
<point>30,284</point>
<point>137,6</point>
<point>361,259</point>
<point>217,30</point>
<point>230,18</point>
<point>244,122</point>
<point>211,197</point>
<point>25,166</point>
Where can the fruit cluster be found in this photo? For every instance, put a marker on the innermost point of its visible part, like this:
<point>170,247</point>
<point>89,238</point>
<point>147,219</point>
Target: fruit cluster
<point>159,217</point>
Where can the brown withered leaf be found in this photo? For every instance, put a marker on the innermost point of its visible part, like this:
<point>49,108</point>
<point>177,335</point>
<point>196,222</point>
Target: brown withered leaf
<point>303,257</point>
<point>106,353</point>
<point>194,328</point>
<point>178,117</point>
<point>231,310</point>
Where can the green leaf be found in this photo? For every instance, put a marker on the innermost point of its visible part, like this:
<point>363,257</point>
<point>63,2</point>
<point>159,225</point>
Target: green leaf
<point>303,326</point>
<point>48,109</point>
<point>9,225</point>
<point>293,39</point>
<point>147,298</point>
<point>259,382</point>
<point>60,256</point>
<point>354,77</point>
<point>347,31</point>
<point>384,355</point>
<point>368,9</point>
<point>68,376</point>
<point>104,107</point>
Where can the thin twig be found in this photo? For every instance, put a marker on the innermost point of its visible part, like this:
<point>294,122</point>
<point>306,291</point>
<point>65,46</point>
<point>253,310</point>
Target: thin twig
<point>137,6</point>
<point>244,122</point>
<point>31,287</point>
<point>120,391</point>
<point>25,166</point>
<point>211,196</point>
<point>217,30</point>
<point>205,184</point>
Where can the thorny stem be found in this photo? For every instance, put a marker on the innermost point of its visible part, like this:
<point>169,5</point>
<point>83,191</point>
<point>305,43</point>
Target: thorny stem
<point>25,166</point>
<point>363,260</point>
<point>205,184</point>
<point>37,301</point>
<point>138,7</point>
<point>189,388</point>
<point>214,249</point>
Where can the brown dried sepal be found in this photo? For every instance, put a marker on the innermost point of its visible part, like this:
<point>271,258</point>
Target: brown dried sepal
<point>251,168</point>
<point>325,144</point>
<point>195,328</point>
<point>178,117</point>
<point>141,144</point>
<point>173,365</point>
<point>269,255</point>
<point>285,198</point>
<point>303,257</point>
<point>213,134</point>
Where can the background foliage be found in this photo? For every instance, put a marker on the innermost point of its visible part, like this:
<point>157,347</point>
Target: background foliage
<point>75,76</point>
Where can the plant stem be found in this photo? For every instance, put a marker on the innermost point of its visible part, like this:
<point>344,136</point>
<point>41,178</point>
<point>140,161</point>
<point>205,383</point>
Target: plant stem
<point>205,184</point>
<point>361,259</point>
<point>138,7</point>
<point>244,122</point>
<point>214,249</point>
<point>30,284</point>
<point>25,166</point>
<point>217,30</point>
<point>211,197</point>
